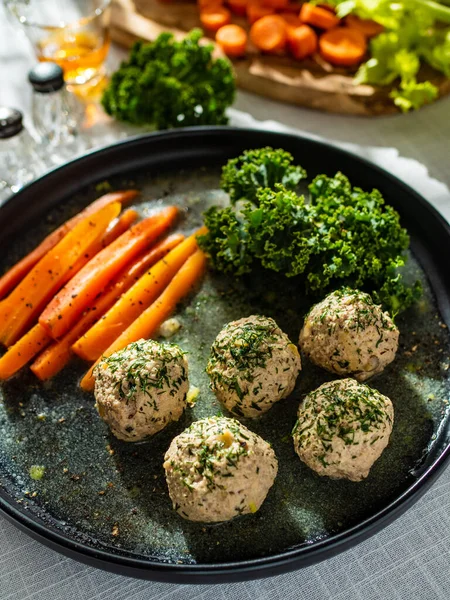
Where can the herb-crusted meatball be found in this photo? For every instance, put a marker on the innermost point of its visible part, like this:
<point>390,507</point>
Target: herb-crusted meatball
<point>253,364</point>
<point>348,334</point>
<point>218,469</point>
<point>142,388</point>
<point>342,428</point>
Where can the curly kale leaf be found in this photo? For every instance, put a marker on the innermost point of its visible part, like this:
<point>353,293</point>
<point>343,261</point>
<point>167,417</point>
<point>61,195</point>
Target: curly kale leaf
<point>342,236</point>
<point>171,84</point>
<point>243,176</point>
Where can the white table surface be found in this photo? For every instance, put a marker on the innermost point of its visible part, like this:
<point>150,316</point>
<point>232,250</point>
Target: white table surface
<point>408,560</point>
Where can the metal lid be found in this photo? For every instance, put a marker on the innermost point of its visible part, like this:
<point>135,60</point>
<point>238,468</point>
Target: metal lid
<point>10,122</point>
<point>46,77</point>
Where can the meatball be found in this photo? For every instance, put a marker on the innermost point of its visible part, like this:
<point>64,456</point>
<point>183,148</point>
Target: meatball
<point>142,388</point>
<point>342,428</point>
<point>218,469</point>
<point>348,334</point>
<point>253,364</point>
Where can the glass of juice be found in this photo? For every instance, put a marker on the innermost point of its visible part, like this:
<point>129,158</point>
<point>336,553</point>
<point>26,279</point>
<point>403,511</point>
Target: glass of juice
<point>74,34</point>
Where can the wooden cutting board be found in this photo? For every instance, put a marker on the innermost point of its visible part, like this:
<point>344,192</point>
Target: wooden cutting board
<point>312,83</point>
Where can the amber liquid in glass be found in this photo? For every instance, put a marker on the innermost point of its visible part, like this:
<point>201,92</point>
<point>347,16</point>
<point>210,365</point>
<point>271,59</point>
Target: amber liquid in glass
<point>80,54</point>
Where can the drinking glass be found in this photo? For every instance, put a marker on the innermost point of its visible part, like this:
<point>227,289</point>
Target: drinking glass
<point>72,33</point>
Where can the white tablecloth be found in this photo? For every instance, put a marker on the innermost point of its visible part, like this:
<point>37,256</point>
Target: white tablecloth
<point>410,559</point>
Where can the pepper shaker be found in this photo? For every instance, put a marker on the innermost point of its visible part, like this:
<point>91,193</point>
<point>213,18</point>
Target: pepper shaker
<point>54,118</point>
<point>19,161</point>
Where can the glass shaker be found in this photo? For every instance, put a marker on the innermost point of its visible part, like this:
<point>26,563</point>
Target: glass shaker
<point>54,114</point>
<point>19,161</point>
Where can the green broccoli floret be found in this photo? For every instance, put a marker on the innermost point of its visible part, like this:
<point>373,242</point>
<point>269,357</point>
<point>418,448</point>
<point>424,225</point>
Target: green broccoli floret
<point>342,236</point>
<point>171,84</point>
<point>243,176</point>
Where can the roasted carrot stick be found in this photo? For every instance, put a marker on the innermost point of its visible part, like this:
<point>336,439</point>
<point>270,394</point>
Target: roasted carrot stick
<point>148,322</point>
<point>343,46</point>
<point>318,17</point>
<point>214,17</point>
<point>58,354</point>
<point>302,41</point>
<point>269,34</point>
<point>124,222</point>
<point>132,303</point>
<point>23,351</point>
<point>27,300</point>
<point>12,277</point>
<point>65,308</point>
<point>232,39</point>
<point>367,27</point>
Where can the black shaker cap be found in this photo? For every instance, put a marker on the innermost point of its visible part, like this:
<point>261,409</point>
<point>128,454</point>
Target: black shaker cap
<point>10,122</point>
<point>46,77</point>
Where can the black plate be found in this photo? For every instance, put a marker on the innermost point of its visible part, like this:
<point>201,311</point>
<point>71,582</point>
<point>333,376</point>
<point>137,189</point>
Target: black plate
<point>182,165</point>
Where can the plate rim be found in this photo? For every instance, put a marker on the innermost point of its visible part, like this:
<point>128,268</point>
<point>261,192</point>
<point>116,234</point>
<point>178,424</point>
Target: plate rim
<point>240,570</point>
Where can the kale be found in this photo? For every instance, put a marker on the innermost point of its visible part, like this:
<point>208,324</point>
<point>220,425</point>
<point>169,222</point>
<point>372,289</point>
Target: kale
<point>168,84</point>
<point>243,176</point>
<point>342,235</point>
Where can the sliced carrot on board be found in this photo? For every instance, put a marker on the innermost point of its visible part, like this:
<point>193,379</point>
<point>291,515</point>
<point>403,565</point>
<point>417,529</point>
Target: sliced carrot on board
<point>65,308</point>
<point>276,4</point>
<point>318,17</point>
<point>57,355</point>
<point>17,356</point>
<point>292,7</point>
<point>213,18</point>
<point>148,322</point>
<point>202,4</point>
<point>256,10</point>
<point>232,39</point>
<point>367,27</point>
<point>269,34</point>
<point>292,20</point>
<point>124,222</point>
<point>238,7</point>
<point>343,46</point>
<point>302,41</point>
<point>130,305</point>
<point>26,301</point>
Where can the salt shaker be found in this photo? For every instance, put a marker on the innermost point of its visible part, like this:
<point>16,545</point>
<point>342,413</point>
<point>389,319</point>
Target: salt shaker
<point>54,119</point>
<point>19,161</point>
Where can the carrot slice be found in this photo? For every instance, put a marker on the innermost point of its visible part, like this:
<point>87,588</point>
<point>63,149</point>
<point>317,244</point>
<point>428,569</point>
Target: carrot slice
<point>269,34</point>
<point>302,41</point>
<point>58,354</point>
<point>148,322</point>
<point>276,4</point>
<point>291,19</point>
<point>65,308</point>
<point>204,4</point>
<point>35,340</point>
<point>26,301</point>
<point>256,11</point>
<point>367,27</point>
<point>215,17</point>
<point>232,39</point>
<point>131,304</point>
<point>318,17</point>
<point>343,46</point>
<point>12,277</point>
<point>238,7</point>
<point>124,222</point>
